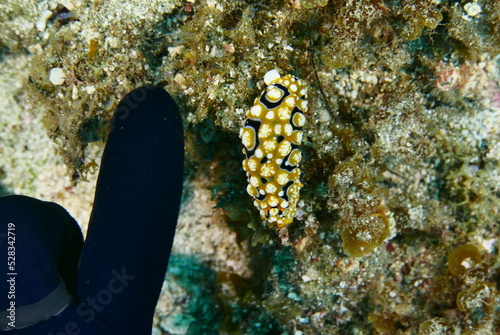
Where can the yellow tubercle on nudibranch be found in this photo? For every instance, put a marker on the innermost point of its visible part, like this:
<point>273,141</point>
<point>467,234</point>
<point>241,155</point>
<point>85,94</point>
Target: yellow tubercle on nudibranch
<point>271,137</point>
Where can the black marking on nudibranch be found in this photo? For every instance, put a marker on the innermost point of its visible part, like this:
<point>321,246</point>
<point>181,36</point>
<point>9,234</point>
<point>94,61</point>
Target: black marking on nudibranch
<point>254,125</point>
<point>269,104</point>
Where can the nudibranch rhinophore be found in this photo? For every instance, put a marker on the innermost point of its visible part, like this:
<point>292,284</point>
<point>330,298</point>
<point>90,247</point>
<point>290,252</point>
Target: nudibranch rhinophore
<point>271,137</point>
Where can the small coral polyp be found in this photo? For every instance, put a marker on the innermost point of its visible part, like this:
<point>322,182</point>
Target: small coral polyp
<point>271,137</point>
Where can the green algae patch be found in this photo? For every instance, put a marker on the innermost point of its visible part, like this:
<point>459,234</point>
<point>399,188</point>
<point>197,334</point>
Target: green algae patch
<point>314,3</point>
<point>463,258</point>
<point>365,220</point>
<point>365,230</point>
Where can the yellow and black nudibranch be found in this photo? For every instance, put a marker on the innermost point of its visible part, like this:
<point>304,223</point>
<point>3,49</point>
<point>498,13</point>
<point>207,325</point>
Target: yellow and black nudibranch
<point>271,135</point>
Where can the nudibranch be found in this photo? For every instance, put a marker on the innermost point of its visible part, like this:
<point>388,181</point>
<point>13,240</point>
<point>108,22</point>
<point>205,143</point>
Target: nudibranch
<point>271,137</point>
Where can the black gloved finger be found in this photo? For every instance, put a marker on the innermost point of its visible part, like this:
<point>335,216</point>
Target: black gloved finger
<point>135,212</point>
